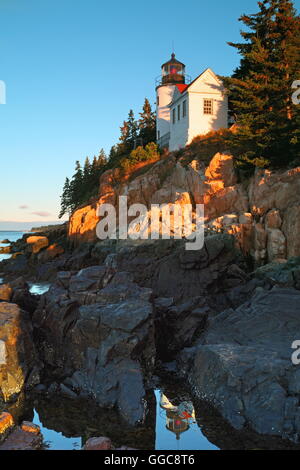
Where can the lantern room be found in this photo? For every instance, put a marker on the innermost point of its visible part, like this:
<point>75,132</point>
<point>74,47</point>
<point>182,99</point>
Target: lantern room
<point>173,72</point>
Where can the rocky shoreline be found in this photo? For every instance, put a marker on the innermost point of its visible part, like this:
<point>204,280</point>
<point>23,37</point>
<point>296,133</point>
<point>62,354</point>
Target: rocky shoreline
<point>103,331</point>
<point>119,313</point>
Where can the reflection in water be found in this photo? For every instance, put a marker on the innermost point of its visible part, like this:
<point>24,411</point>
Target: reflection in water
<point>39,288</point>
<point>68,423</point>
<point>54,440</point>
<point>178,418</point>
<point>176,427</point>
<point>172,423</point>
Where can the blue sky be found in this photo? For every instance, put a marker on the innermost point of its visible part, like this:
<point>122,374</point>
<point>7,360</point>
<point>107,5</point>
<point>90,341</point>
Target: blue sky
<point>73,69</point>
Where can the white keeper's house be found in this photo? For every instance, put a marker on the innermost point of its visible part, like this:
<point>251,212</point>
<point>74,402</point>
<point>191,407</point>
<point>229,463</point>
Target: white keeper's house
<point>188,108</point>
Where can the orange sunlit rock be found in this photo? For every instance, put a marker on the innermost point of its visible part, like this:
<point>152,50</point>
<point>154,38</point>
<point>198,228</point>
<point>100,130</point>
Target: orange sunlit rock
<point>37,243</point>
<point>6,423</point>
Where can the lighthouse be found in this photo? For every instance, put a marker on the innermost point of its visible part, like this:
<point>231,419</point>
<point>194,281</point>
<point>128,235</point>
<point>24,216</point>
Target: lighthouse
<point>172,76</point>
<point>187,109</point>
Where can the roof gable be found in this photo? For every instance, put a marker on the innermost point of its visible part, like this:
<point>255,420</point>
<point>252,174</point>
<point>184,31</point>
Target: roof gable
<point>207,81</point>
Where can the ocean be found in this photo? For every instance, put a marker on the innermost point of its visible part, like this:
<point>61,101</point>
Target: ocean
<point>11,236</point>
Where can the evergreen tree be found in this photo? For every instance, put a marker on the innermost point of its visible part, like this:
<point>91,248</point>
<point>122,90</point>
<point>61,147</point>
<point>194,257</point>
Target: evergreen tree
<point>147,124</point>
<point>260,89</point>
<point>84,184</point>
<point>125,136</point>
<point>86,172</point>
<point>65,199</point>
<point>132,129</point>
<point>76,187</point>
<point>102,159</point>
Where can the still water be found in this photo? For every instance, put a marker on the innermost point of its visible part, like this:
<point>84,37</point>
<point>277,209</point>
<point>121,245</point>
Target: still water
<point>167,430</point>
<point>12,237</point>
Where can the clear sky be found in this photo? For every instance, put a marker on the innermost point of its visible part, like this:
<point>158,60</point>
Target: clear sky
<point>74,68</point>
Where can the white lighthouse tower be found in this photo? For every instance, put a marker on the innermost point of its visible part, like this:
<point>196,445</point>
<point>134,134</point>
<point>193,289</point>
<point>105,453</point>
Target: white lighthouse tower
<point>172,76</point>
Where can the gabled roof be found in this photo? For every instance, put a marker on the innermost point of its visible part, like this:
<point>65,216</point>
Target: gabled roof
<point>184,88</point>
<point>201,74</point>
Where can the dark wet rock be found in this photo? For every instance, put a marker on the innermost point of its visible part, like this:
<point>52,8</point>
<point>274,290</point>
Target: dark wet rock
<point>6,241</point>
<point>284,274</point>
<point>171,271</point>
<point>177,326</point>
<point>67,392</point>
<point>95,333</point>
<point>18,361</point>
<point>14,267</point>
<point>40,388</point>
<point>17,292</point>
<point>80,258</point>
<point>242,364</point>
<point>53,388</point>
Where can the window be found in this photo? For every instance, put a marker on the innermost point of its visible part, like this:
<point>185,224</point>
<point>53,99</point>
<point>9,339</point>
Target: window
<point>157,101</point>
<point>178,112</point>
<point>184,109</point>
<point>158,135</point>
<point>174,116</point>
<point>208,106</point>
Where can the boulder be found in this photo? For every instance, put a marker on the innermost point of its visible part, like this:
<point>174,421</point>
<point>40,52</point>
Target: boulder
<point>221,168</point>
<point>260,244</point>
<point>37,243</point>
<point>5,292</point>
<point>17,292</point>
<point>276,245</point>
<point>6,425</point>
<point>98,443</point>
<point>242,364</point>
<point>291,230</point>
<point>273,219</point>
<point>53,251</point>
<point>17,353</point>
<point>4,250</point>
<point>281,273</point>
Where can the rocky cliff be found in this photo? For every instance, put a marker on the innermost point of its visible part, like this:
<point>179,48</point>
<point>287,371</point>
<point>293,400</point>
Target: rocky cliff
<point>262,213</point>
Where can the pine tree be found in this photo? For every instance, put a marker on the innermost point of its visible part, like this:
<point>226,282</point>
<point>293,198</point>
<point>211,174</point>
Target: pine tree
<point>147,124</point>
<point>102,159</point>
<point>260,89</point>
<point>132,129</point>
<point>86,171</point>
<point>65,199</point>
<point>76,187</point>
<point>125,135</point>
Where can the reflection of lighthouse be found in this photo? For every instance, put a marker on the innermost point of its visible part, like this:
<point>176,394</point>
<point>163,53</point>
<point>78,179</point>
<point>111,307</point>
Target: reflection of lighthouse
<point>178,418</point>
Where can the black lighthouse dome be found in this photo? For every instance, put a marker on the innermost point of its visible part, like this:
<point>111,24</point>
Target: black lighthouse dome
<point>173,71</point>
